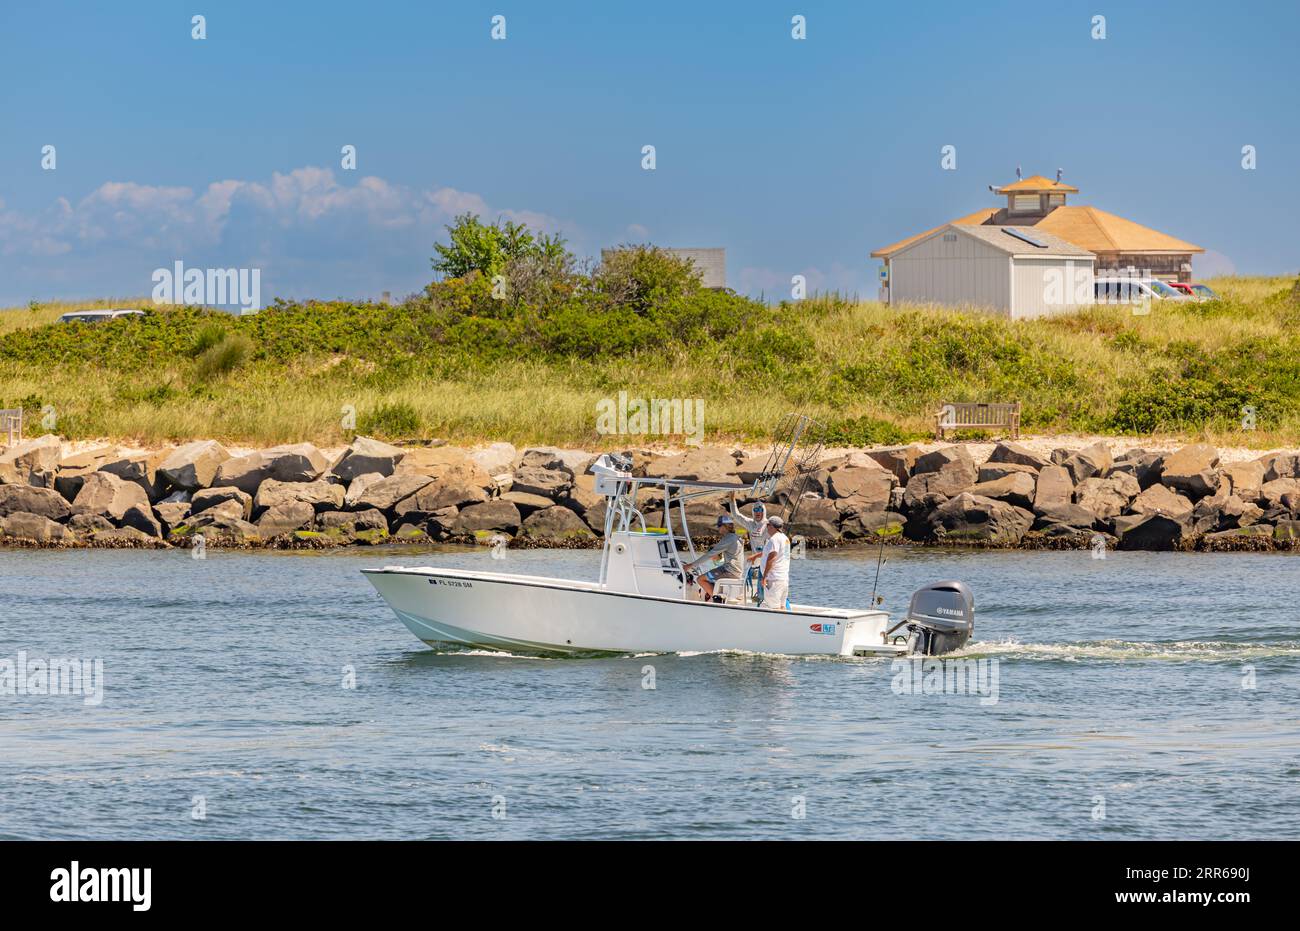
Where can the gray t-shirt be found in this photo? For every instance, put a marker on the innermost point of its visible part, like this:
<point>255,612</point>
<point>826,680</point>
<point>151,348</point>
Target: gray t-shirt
<point>733,548</point>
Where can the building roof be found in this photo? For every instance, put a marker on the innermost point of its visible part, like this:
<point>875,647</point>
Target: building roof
<point>1099,231</point>
<point>971,219</point>
<point>1037,184</point>
<point>1006,239</point>
<point>1086,227</point>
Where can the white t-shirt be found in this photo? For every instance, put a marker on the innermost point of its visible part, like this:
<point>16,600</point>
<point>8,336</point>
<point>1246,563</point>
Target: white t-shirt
<point>779,543</point>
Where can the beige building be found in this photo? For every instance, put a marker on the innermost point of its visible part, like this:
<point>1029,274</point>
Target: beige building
<point>1042,206</point>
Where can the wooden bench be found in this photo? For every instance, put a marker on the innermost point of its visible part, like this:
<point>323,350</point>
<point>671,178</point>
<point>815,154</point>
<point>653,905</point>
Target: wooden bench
<point>967,416</point>
<point>11,422</point>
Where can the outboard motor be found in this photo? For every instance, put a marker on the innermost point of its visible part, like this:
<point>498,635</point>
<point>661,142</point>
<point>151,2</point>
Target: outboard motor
<point>940,619</point>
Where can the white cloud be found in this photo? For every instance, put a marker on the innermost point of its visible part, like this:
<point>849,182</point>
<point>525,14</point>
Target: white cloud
<point>310,234</point>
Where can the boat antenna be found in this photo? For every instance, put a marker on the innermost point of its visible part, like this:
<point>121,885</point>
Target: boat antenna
<point>880,558</point>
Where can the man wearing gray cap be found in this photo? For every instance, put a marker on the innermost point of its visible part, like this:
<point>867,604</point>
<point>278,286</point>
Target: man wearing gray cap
<point>728,554</point>
<point>775,563</point>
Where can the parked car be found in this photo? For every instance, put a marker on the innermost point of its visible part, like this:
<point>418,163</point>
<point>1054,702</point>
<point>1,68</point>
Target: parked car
<point>1134,291</point>
<point>1198,292</point>
<point>99,316</point>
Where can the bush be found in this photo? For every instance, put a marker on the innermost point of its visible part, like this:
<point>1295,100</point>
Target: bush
<point>395,420</point>
<point>222,358</point>
<point>643,278</point>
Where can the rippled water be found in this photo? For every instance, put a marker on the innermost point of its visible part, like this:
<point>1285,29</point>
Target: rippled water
<point>1120,683</point>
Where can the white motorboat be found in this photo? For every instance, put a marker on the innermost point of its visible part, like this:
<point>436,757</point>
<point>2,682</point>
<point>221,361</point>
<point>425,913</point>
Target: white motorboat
<point>646,602</point>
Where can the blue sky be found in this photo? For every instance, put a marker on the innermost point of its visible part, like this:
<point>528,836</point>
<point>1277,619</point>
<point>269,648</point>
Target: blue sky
<point>799,157</point>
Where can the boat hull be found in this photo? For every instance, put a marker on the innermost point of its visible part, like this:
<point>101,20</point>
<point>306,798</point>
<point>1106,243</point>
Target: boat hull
<point>535,615</point>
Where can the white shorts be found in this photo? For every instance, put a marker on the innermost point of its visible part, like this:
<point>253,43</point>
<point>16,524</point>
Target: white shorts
<point>774,594</point>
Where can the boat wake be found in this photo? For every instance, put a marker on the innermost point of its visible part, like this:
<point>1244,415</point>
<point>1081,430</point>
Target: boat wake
<point>1130,650</point>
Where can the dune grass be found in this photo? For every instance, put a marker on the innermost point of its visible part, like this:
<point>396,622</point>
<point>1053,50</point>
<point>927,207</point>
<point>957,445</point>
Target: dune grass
<point>323,372</point>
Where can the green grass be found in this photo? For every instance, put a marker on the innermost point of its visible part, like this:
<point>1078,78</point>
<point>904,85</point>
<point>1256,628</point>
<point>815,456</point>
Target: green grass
<point>453,365</point>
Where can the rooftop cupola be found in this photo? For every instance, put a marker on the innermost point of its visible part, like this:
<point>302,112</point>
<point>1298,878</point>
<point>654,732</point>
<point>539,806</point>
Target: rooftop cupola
<point>1036,195</point>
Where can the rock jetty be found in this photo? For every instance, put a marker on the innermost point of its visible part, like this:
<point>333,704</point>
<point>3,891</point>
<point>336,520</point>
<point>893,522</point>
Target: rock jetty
<point>372,492</point>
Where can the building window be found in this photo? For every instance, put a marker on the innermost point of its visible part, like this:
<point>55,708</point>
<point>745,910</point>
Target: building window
<point>1056,200</point>
<point>1024,203</point>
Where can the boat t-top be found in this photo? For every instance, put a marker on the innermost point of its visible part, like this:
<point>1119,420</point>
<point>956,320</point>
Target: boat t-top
<point>646,600</point>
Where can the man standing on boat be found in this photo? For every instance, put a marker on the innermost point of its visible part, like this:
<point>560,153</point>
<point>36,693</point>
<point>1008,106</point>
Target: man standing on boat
<point>756,527</point>
<point>775,564</point>
<point>729,549</point>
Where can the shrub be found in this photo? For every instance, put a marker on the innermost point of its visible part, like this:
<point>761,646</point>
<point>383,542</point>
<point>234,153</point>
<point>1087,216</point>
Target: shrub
<point>222,358</point>
<point>394,420</point>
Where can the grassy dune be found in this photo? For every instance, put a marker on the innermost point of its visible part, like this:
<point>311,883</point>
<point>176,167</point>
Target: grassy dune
<point>873,373</point>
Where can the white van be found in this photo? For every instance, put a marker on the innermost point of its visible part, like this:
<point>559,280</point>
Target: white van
<point>99,316</point>
<point>1134,291</point>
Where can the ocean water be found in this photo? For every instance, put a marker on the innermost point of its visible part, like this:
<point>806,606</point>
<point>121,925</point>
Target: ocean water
<point>1146,695</point>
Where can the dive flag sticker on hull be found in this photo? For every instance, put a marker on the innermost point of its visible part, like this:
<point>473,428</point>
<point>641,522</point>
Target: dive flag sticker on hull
<point>822,628</point>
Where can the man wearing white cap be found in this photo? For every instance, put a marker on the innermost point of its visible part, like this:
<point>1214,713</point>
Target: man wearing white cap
<point>775,563</point>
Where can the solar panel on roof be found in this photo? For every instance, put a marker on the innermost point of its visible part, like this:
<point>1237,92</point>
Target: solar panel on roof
<point>1025,237</point>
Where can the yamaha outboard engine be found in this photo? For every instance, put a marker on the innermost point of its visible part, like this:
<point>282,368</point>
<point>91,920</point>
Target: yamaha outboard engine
<point>940,619</point>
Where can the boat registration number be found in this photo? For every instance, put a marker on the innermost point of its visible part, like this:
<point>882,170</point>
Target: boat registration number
<point>454,583</point>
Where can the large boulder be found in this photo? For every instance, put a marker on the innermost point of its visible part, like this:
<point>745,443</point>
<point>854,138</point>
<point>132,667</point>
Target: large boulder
<point>105,494</point>
<point>549,483</point>
<point>1054,488</point>
<point>556,525</point>
<point>27,499</point>
<point>1106,497</point>
<point>21,527</point>
<point>320,495</point>
<point>386,492</point>
<point>125,538</point>
<point>946,458</point>
<point>357,487</point>
<point>73,469</point>
<point>284,518</point>
<point>435,497</point>
<point>528,503</point>
<point>1142,465</point>
<point>367,455</point>
<point>1057,515</point>
<point>210,497</point>
<point>873,524</point>
<point>1008,452</point>
<point>938,476</point>
<point>1160,500</point>
<point>1015,488</point>
<point>447,465</point>
<point>873,484</point>
<point>1152,531</point>
<point>1092,461</point>
<point>1280,465</point>
<point>217,528</point>
<point>495,458</point>
<point>970,518</point>
<point>1274,494</point>
<point>992,471</point>
<point>294,462</point>
<point>20,462</point>
<point>194,465</point>
<point>896,459</point>
<point>1244,479</point>
<point>1193,470</point>
<point>140,468</point>
<point>815,519</point>
<point>171,514</point>
<point>371,519</point>
<point>487,517</point>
